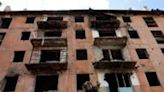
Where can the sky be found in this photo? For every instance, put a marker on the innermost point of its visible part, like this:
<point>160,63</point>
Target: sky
<point>81,4</point>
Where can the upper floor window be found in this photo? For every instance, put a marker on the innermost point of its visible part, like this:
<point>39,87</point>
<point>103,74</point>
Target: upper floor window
<point>50,55</point>
<point>53,34</point>
<point>126,19</point>
<point>18,56</point>
<point>142,53</point>
<point>152,78</point>
<point>5,22</point>
<point>25,35</point>
<point>150,22</point>
<point>79,19</point>
<point>80,34</point>
<point>81,79</point>
<point>54,18</point>
<point>159,37</point>
<point>2,35</point>
<point>133,34</point>
<point>162,50</point>
<point>30,19</point>
<point>81,54</point>
<point>113,54</point>
<point>106,33</point>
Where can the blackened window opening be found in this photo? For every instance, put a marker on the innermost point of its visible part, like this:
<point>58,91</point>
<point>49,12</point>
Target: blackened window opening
<point>150,22</point>
<point>55,19</point>
<point>81,54</point>
<point>46,83</point>
<point>79,19</point>
<point>162,50</point>
<point>53,34</point>
<point>5,22</point>
<point>133,34</point>
<point>107,33</point>
<point>126,19</point>
<point>81,79</point>
<point>142,53</point>
<point>30,19</point>
<point>2,35</point>
<point>25,35</point>
<point>116,54</point>
<point>18,56</point>
<point>10,83</point>
<point>80,34</point>
<point>152,78</point>
<point>158,35</point>
<point>50,55</point>
<point>106,54</point>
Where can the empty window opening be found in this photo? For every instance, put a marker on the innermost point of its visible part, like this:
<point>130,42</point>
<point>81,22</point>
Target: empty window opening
<point>50,55</point>
<point>80,34</point>
<point>10,84</point>
<point>126,19</point>
<point>106,54</point>
<point>100,18</point>
<point>142,53</point>
<point>162,50</point>
<point>133,34</point>
<point>25,35</point>
<point>2,35</point>
<point>53,34</point>
<point>152,78</point>
<point>81,79</point>
<point>55,19</point>
<point>116,80</point>
<point>30,19</point>
<point>81,54</point>
<point>18,56</point>
<point>107,33</point>
<point>46,83</point>
<point>158,35</point>
<point>150,22</point>
<point>116,54</point>
<point>79,19</point>
<point>5,22</point>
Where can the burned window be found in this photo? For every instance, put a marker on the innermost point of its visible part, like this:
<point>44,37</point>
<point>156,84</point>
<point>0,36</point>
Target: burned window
<point>53,34</point>
<point>10,84</point>
<point>159,37</point>
<point>30,19</point>
<point>25,35</point>
<point>162,50</point>
<point>81,79</point>
<point>2,35</point>
<point>81,54</point>
<point>150,22</point>
<point>116,54</point>
<point>5,22</point>
<point>46,83</point>
<point>79,19</point>
<point>106,54</point>
<point>54,18</point>
<point>142,53</point>
<point>18,56</point>
<point>152,78</point>
<point>107,33</point>
<point>126,19</point>
<point>80,34</point>
<point>50,55</point>
<point>116,80</point>
<point>133,34</point>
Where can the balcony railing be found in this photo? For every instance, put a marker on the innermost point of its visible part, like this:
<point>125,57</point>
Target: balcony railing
<point>46,67</point>
<point>110,41</point>
<point>116,64</point>
<point>52,24</point>
<point>49,42</point>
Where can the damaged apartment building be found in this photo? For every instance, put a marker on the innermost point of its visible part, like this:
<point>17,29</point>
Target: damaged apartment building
<point>80,50</point>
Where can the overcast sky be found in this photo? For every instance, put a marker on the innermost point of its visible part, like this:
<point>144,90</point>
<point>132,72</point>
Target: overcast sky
<point>81,4</point>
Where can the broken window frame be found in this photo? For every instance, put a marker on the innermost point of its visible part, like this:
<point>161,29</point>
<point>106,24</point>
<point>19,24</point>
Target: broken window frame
<point>80,34</point>
<point>18,56</point>
<point>43,82</point>
<point>82,52</point>
<point>149,76</point>
<point>25,35</point>
<point>142,53</point>
<point>30,20</point>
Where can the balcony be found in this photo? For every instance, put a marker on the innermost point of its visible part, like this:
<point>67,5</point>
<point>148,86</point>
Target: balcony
<point>46,67</point>
<point>115,64</point>
<point>52,24</point>
<point>110,41</point>
<point>49,42</point>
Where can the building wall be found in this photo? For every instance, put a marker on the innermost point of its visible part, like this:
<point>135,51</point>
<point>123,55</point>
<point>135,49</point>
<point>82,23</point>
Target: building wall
<point>67,79</point>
